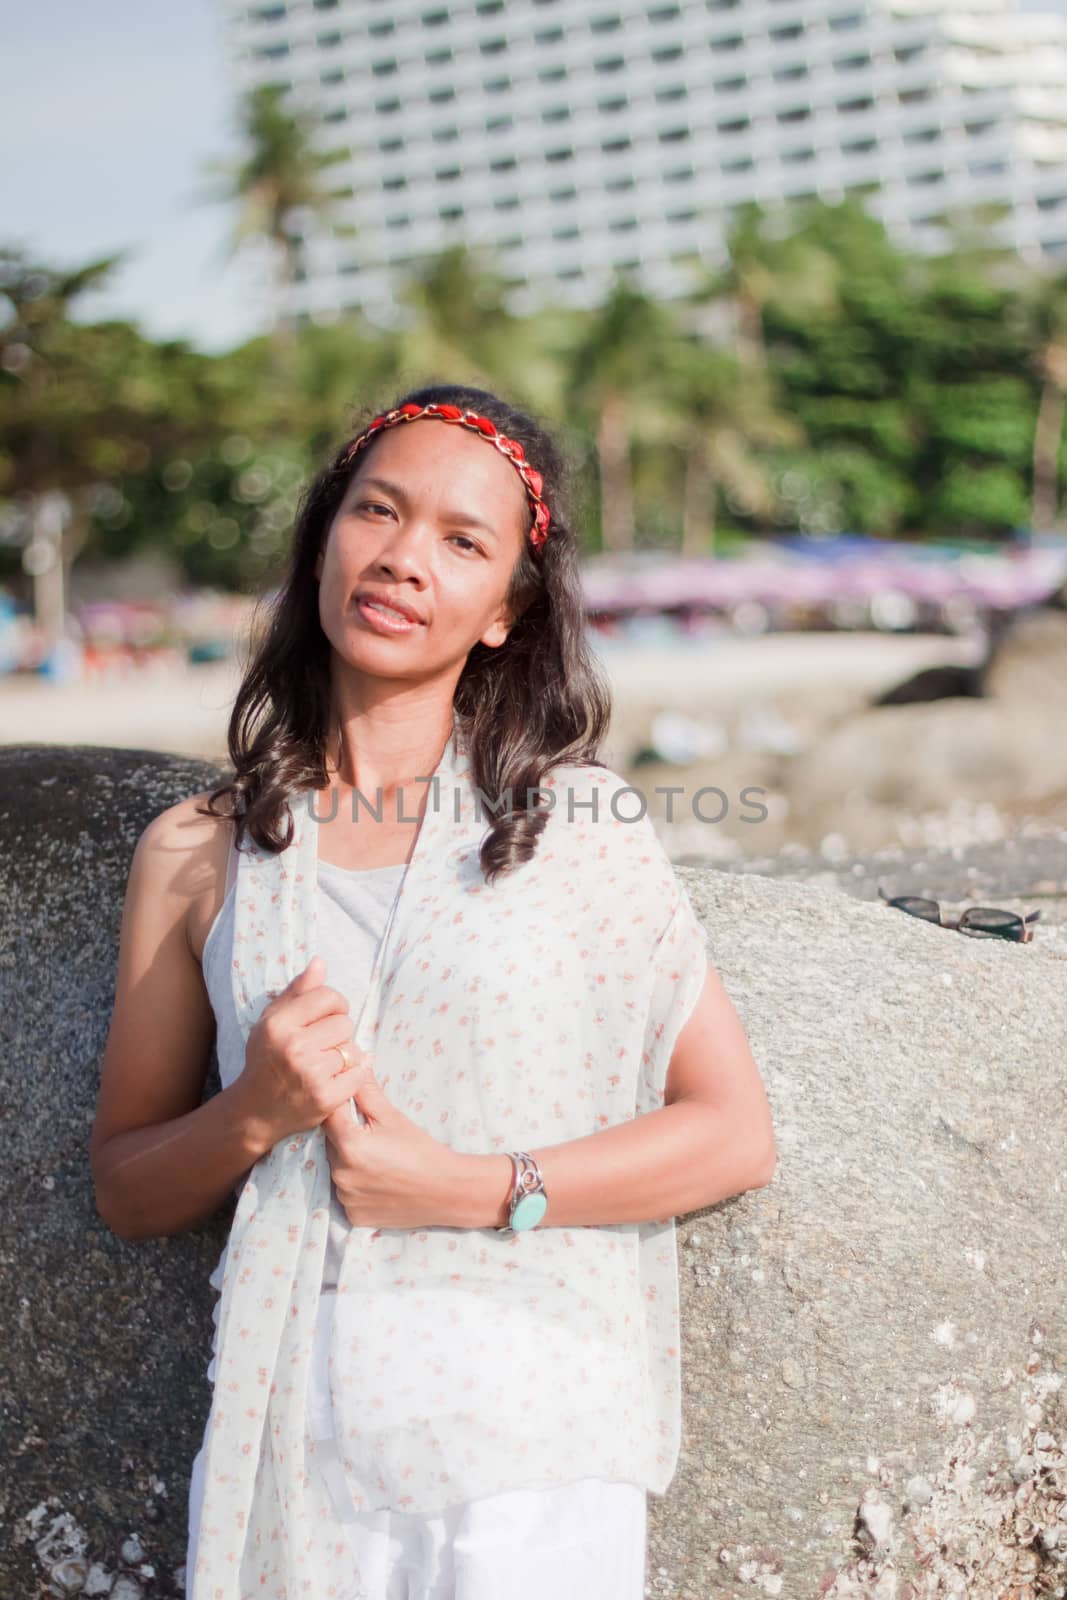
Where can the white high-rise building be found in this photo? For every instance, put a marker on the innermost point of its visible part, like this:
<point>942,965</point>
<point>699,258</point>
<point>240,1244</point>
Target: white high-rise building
<point>574,137</point>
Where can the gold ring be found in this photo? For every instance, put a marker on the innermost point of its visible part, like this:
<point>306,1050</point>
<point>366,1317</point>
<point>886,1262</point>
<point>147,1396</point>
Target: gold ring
<point>344,1058</point>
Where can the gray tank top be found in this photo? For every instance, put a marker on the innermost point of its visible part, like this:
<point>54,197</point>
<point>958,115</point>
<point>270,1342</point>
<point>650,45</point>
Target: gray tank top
<point>352,911</point>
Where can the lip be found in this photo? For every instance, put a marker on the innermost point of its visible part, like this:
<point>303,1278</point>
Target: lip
<point>389,600</point>
<point>380,619</point>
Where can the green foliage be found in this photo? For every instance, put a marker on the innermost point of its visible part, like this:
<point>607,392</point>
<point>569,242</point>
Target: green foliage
<point>983,496</point>
<point>841,489</point>
<point>854,387</point>
<point>993,417</point>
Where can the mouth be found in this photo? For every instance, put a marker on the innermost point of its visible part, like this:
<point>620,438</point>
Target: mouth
<point>384,617</point>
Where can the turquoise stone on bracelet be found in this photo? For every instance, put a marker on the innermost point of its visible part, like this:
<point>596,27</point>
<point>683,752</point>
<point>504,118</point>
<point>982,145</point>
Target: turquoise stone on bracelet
<point>529,1211</point>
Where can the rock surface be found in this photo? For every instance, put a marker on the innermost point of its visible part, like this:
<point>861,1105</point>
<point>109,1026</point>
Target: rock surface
<point>874,1344</point>
<point>106,1343</point>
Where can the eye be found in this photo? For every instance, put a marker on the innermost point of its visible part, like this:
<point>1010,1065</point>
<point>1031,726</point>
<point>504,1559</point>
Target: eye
<point>376,505</point>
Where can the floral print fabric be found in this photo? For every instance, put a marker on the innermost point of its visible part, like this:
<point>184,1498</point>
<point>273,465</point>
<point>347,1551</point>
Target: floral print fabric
<point>463,1362</point>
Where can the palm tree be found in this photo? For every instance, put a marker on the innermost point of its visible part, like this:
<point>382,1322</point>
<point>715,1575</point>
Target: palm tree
<point>764,265</point>
<point>278,186</point>
<point>723,415</point>
<point>614,376</point>
<point>1043,308</point>
<point>461,328</point>
<point>47,448</point>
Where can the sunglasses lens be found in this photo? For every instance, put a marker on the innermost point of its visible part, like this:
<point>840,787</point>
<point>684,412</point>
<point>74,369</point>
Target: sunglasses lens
<point>915,906</point>
<point>986,919</point>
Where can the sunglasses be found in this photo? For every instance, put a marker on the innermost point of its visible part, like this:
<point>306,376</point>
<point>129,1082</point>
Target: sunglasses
<point>981,922</point>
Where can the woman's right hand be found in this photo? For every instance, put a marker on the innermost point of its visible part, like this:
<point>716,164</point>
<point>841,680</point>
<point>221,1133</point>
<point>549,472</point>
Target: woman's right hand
<point>292,1078</point>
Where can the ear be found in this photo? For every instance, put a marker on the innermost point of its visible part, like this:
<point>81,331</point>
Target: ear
<point>497,631</point>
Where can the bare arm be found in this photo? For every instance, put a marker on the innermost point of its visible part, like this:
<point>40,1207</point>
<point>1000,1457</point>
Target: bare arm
<point>162,1163</point>
<point>712,1138</point>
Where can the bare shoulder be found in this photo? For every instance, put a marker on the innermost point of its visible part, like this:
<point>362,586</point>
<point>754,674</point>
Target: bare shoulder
<point>159,1042</point>
<point>183,852</point>
<point>187,821</point>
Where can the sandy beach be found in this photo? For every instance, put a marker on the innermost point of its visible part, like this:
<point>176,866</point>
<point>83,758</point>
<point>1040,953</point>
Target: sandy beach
<point>184,709</point>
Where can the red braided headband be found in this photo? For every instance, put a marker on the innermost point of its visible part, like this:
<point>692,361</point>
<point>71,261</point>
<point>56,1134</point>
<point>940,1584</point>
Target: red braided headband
<point>469,419</point>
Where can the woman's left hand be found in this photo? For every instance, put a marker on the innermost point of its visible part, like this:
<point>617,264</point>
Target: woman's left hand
<point>388,1172</point>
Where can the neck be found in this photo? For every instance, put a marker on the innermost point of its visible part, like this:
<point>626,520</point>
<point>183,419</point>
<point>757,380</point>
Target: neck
<point>366,753</point>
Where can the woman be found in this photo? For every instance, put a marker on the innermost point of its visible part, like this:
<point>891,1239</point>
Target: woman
<point>447,1347</point>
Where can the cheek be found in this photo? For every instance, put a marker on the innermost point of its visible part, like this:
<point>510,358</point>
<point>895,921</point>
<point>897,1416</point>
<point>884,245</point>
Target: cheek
<point>333,565</point>
<point>331,598</point>
<point>465,597</point>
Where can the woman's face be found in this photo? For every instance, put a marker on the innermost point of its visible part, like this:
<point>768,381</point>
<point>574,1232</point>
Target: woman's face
<point>434,518</point>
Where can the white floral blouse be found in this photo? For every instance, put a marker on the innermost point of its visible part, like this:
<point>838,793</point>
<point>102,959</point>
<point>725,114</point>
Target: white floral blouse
<point>464,1362</point>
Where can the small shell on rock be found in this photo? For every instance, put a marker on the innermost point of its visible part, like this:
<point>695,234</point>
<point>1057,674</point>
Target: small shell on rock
<point>69,1575</point>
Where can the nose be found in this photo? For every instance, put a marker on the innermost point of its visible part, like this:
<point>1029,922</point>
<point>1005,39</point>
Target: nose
<point>403,554</point>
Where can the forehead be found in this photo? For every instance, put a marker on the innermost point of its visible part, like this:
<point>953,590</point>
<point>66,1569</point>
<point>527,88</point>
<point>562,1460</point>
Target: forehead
<point>455,464</point>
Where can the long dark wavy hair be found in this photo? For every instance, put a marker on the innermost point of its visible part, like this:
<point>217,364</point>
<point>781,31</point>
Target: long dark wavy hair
<point>535,702</point>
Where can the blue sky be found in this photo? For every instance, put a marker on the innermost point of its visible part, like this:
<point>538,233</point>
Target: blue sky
<point>111,109</point>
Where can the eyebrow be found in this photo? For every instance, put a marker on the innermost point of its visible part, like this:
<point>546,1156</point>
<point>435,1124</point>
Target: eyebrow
<point>450,516</point>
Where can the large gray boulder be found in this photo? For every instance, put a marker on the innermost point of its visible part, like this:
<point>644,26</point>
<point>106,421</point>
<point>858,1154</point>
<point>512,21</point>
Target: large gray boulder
<point>874,1344</point>
<point>104,1356</point>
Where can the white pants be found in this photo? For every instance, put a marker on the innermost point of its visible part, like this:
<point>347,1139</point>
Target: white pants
<point>581,1541</point>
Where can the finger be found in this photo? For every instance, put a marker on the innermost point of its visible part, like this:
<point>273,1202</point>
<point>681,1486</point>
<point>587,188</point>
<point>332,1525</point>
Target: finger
<point>343,1087</point>
<point>307,982</point>
<point>308,995</point>
<point>343,1121</point>
<point>351,1084</point>
<point>320,1005</point>
<point>331,1034</point>
<point>338,1124</point>
<point>313,975</point>
<point>371,1098</point>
